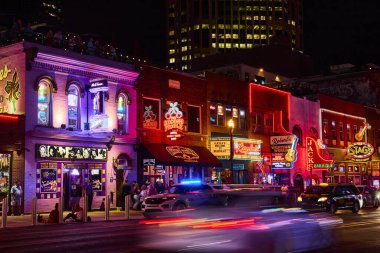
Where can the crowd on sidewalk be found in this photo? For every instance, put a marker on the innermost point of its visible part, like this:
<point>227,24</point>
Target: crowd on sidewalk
<point>137,194</point>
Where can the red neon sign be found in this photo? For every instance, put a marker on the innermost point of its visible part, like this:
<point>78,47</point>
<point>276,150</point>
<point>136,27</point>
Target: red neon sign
<point>12,117</point>
<point>314,159</point>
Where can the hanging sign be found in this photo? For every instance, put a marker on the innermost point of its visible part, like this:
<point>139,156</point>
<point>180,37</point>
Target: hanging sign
<point>97,85</point>
<point>314,159</point>
<point>173,123</point>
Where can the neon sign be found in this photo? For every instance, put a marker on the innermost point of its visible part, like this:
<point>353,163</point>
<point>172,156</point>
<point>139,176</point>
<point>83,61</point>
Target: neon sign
<point>360,151</point>
<point>173,123</point>
<point>149,118</point>
<point>187,154</point>
<point>283,151</point>
<point>314,159</point>
<point>12,89</point>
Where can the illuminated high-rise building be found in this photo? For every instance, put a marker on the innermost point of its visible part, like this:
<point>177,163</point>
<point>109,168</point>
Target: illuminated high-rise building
<point>198,28</point>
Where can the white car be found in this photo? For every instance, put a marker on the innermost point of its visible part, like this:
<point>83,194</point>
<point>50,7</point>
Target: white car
<point>180,197</point>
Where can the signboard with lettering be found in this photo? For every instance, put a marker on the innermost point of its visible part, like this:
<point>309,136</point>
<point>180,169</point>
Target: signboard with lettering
<point>12,85</point>
<point>244,149</point>
<point>98,85</point>
<point>69,152</point>
<point>173,123</point>
<point>314,159</point>
<point>174,84</point>
<point>360,151</point>
<point>283,151</point>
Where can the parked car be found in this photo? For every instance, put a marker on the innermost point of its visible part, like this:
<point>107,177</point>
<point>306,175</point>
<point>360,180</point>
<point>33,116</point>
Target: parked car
<point>370,195</point>
<point>331,197</point>
<point>180,197</point>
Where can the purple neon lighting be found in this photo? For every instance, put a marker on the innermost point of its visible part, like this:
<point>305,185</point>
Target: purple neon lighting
<point>85,66</point>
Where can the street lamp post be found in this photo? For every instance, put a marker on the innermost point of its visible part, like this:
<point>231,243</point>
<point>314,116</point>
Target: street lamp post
<point>231,125</point>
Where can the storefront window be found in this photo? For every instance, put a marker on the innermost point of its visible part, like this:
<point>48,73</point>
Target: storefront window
<point>122,117</point>
<point>95,179</point>
<point>193,119</point>
<point>73,107</point>
<point>44,103</point>
<point>5,164</point>
<point>151,115</point>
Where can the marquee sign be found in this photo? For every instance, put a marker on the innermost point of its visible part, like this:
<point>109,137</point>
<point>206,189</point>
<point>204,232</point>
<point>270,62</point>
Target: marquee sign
<point>360,151</point>
<point>185,153</point>
<point>314,159</point>
<point>173,123</point>
<point>244,149</point>
<point>69,152</point>
<point>283,151</point>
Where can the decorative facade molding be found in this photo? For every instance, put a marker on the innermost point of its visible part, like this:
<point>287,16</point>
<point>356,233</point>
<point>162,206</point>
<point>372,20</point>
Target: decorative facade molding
<point>85,69</point>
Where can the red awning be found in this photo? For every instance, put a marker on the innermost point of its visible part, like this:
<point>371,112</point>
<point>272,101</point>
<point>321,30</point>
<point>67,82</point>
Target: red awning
<point>180,155</point>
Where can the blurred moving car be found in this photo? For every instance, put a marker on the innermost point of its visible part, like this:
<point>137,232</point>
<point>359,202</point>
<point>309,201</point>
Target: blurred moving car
<point>276,230</point>
<point>331,197</point>
<point>370,195</point>
<point>182,196</point>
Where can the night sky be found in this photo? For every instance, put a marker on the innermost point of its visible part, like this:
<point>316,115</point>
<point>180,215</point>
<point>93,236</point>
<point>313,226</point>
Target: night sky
<point>138,28</point>
<point>335,31</point>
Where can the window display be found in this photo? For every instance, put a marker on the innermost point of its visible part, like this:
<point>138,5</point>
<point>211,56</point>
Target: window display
<point>5,165</point>
<point>48,180</point>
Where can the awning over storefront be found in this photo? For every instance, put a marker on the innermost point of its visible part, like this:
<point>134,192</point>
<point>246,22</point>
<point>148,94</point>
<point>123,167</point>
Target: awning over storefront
<point>178,155</point>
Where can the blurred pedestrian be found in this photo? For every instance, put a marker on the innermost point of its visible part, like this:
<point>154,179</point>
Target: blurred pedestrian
<point>151,190</point>
<point>90,196</point>
<point>16,197</point>
<point>76,214</point>
<point>53,216</point>
<point>125,191</point>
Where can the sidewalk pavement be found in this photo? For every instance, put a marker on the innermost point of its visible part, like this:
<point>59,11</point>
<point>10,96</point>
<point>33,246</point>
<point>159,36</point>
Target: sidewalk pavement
<point>96,216</point>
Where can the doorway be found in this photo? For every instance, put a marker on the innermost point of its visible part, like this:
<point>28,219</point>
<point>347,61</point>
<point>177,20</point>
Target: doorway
<point>72,186</point>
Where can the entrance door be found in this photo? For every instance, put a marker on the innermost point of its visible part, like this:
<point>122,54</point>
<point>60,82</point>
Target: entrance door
<point>119,183</point>
<point>72,186</point>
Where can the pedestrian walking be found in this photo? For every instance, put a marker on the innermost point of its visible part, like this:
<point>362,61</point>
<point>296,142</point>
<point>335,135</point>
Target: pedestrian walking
<point>16,197</point>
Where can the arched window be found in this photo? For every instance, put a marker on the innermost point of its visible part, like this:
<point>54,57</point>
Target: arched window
<point>44,102</point>
<point>73,106</point>
<point>122,113</point>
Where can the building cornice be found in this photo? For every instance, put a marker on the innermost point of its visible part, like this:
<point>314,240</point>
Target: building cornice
<point>90,70</point>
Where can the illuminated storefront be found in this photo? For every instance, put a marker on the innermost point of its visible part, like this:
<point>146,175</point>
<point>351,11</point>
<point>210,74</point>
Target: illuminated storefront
<point>12,120</point>
<point>66,170</point>
<point>246,157</point>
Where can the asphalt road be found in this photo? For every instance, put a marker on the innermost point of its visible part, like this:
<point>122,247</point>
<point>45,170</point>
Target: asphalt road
<point>358,233</point>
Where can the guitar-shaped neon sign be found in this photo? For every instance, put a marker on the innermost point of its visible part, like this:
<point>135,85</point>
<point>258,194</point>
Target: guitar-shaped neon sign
<point>291,155</point>
<point>359,135</point>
